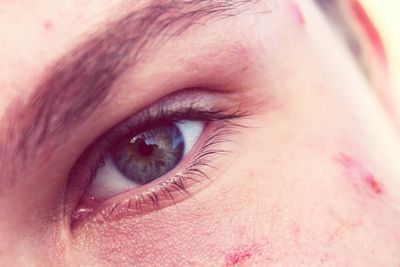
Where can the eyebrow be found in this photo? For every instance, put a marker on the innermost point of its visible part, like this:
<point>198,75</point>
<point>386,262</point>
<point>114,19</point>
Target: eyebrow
<point>80,81</point>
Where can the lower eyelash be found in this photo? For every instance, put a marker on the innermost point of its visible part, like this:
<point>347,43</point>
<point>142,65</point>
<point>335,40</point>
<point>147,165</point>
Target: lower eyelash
<point>194,173</point>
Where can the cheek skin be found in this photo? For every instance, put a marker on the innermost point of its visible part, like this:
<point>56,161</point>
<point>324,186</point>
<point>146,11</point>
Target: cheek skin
<point>263,224</point>
<point>204,239</point>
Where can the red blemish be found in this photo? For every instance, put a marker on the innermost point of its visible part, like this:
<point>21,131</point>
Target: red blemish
<point>369,29</point>
<point>373,184</point>
<point>298,15</point>
<point>359,174</point>
<point>47,25</point>
<point>240,255</point>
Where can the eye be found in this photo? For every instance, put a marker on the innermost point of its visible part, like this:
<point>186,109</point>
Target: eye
<point>153,158</point>
<point>140,159</point>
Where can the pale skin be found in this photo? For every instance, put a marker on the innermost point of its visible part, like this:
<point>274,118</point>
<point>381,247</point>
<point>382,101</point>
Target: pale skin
<point>312,178</point>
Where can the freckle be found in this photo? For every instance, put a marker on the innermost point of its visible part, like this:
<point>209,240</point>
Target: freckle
<point>369,29</point>
<point>298,15</point>
<point>48,25</point>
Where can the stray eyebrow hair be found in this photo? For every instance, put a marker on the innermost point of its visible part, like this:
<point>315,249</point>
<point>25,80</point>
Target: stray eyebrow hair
<point>78,83</point>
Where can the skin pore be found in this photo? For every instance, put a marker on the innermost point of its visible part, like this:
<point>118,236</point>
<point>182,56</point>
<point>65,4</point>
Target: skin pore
<point>304,171</point>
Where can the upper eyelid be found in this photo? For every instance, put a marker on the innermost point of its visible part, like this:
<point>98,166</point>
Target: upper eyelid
<point>193,99</point>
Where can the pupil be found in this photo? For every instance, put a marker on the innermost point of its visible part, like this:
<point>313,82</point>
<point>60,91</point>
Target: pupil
<point>145,149</point>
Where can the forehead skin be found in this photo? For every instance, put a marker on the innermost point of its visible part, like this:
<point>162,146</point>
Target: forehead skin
<point>37,29</point>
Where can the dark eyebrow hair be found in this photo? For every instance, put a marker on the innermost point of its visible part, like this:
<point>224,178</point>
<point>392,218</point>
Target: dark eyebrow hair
<point>80,81</point>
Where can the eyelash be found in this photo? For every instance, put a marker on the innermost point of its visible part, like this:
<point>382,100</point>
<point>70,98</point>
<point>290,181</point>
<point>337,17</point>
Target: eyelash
<point>223,122</point>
